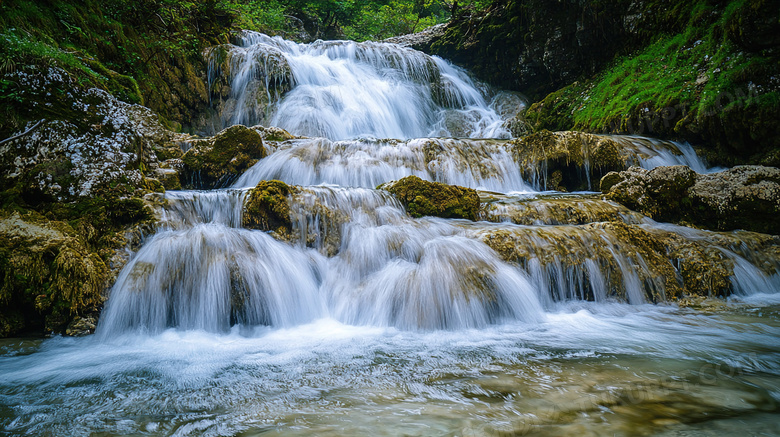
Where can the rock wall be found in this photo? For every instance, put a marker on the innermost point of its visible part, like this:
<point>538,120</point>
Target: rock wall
<point>704,71</point>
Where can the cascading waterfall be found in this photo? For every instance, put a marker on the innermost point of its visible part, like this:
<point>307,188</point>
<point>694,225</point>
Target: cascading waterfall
<point>353,254</point>
<point>342,89</point>
<point>361,319</point>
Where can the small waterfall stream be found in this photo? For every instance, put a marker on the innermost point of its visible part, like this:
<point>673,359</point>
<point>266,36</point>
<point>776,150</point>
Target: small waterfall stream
<point>548,315</point>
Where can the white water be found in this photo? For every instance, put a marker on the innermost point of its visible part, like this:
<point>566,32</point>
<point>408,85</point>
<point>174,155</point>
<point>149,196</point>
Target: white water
<point>343,89</point>
<point>650,153</point>
<point>370,322</point>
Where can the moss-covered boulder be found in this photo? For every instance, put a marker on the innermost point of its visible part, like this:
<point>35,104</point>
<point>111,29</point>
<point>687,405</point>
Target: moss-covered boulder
<point>267,208</point>
<point>423,198</point>
<point>744,197</point>
<point>568,161</point>
<point>218,161</point>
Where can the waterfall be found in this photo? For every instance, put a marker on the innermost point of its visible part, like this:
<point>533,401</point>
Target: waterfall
<point>352,254</point>
<point>343,89</point>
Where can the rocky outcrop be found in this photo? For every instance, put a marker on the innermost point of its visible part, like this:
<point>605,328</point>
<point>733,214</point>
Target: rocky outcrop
<point>423,198</point>
<point>535,46</point>
<point>74,182</point>
<point>744,197</point>
<point>698,70</point>
<point>48,274</point>
<point>89,143</point>
<point>421,40</point>
<point>603,260</point>
<point>218,161</point>
<point>568,161</point>
<point>267,208</point>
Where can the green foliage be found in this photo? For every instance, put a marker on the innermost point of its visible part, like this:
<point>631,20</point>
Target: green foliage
<point>358,20</point>
<point>696,80</point>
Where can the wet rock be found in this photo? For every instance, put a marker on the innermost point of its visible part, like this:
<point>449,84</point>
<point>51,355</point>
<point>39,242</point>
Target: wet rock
<point>81,326</point>
<point>612,260</point>
<point>568,161</point>
<point>169,178</point>
<point>246,101</point>
<point>268,208</point>
<point>274,133</point>
<point>218,161</point>
<point>744,197</point>
<point>554,210</point>
<point>421,40</point>
<point>423,198</point>
<point>49,275</point>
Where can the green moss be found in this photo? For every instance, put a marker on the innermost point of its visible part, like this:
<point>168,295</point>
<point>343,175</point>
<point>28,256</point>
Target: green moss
<point>50,275</point>
<point>217,162</point>
<point>117,47</point>
<point>267,207</point>
<point>423,198</point>
<point>698,82</point>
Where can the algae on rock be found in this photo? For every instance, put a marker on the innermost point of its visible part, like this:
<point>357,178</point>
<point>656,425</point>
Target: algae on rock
<point>423,198</point>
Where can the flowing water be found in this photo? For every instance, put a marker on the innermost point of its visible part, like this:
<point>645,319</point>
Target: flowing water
<point>366,321</point>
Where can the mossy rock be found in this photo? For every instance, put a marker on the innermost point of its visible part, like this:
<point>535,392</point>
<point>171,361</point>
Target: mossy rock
<point>49,275</point>
<point>267,207</point>
<point>423,198</point>
<point>218,161</point>
<point>568,160</point>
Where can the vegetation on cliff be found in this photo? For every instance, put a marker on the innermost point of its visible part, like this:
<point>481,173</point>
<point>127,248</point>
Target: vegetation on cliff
<point>705,71</point>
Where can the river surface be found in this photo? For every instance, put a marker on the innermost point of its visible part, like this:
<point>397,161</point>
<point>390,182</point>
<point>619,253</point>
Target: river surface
<point>365,321</point>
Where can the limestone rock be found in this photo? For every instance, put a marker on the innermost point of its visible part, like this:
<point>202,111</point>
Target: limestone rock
<point>90,142</point>
<point>421,40</point>
<point>744,197</point>
<point>423,198</point>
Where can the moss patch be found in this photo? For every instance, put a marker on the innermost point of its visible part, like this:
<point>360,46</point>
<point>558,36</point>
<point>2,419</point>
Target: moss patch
<point>49,273</point>
<point>267,208</point>
<point>423,198</point>
<point>711,79</point>
<point>217,162</point>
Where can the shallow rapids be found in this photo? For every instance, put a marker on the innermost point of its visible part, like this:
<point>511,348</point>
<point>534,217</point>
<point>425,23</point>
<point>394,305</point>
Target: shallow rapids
<point>588,369</point>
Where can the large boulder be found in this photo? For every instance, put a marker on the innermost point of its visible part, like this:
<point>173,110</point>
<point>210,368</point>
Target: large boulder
<point>744,197</point>
<point>82,144</point>
<point>423,198</point>
<point>218,161</point>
